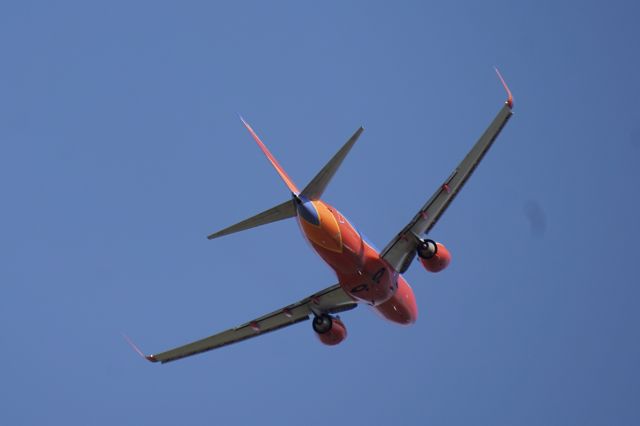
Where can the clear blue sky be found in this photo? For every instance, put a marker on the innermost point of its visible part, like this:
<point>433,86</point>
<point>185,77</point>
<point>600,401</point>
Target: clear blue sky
<point>121,149</point>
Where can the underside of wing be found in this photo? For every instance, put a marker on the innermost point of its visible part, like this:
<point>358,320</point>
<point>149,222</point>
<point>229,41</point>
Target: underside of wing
<point>331,300</point>
<point>402,249</point>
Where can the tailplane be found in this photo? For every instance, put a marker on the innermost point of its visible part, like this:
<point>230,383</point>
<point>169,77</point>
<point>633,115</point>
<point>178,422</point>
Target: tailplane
<point>318,184</point>
<point>312,191</point>
<point>274,214</point>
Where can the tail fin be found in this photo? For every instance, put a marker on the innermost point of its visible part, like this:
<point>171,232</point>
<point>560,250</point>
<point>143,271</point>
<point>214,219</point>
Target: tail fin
<point>288,209</point>
<point>281,211</point>
<point>318,184</point>
<point>274,214</point>
<point>285,177</point>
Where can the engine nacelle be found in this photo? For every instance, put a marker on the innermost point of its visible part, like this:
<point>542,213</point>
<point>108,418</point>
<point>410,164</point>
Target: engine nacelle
<point>330,330</point>
<point>434,256</point>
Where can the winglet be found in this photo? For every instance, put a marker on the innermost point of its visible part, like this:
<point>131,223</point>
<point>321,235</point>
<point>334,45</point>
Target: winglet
<point>139,352</point>
<point>509,95</point>
<point>285,177</point>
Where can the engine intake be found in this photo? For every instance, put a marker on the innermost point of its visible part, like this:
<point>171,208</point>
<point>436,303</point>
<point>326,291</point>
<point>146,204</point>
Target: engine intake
<point>434,256</point>
<point>329,329</point>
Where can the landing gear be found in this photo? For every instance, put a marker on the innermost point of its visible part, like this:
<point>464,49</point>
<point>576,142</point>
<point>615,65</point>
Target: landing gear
<point>322,323</point>
<point>427,249</point>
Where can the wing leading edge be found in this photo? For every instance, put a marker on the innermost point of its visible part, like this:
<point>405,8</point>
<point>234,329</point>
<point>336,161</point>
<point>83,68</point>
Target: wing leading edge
<point>402,249</point>
<point>330,300</point>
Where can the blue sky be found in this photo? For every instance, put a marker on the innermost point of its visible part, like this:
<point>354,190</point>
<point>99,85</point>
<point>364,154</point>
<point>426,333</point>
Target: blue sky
<point>121,149</point>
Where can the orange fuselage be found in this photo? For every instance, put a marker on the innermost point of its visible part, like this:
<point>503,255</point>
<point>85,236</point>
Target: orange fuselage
<point>361,271</point>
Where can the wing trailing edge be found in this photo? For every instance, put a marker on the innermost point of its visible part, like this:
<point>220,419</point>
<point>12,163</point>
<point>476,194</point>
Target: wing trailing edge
<point>330,300</point>
<point>402,248</point>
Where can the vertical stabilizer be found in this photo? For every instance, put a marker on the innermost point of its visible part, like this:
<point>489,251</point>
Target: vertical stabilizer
<point>312,191</point>
<point>285,177</point>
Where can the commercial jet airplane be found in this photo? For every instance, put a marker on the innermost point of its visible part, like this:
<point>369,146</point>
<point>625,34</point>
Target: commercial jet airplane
<point>365,276</point>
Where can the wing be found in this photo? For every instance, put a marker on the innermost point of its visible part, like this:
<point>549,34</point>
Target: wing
<point>402,249</point>
<point>331,300</point>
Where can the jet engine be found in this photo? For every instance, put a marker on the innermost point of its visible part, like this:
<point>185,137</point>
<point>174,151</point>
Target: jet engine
<point>433,256</point>
<point>329,329</point>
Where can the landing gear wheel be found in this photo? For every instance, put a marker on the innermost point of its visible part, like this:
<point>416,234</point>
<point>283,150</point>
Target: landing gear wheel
<point>322,323</point>
<point>427,249</point>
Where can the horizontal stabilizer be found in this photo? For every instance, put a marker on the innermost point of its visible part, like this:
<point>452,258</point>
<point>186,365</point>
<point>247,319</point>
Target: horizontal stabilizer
<point>274,214</point>
<point>316,187</point>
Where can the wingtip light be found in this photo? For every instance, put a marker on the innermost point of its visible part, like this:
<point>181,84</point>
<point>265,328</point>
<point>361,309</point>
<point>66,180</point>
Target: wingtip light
<point>504,84</point>
<point>150,358</point>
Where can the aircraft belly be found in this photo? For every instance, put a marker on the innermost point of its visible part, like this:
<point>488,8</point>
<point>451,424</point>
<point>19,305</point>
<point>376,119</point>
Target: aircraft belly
<point>374,282</point>
<point>401,308</point>
<point>360,269</point>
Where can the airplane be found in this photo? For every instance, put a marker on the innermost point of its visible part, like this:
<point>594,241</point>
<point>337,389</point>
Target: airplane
<point>364,274</point>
